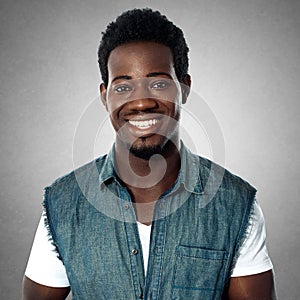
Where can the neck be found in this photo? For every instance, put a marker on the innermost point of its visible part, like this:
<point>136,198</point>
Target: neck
<point>159,172</point>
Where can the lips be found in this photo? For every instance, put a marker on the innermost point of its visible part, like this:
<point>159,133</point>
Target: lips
<point>144,125</point>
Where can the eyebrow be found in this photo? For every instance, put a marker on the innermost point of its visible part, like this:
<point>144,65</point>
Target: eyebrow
<point>152,74</point>
<point>155,74</point>
<point>122,77</point>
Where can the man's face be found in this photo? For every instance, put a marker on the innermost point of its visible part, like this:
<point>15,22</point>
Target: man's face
<point>143,97</point>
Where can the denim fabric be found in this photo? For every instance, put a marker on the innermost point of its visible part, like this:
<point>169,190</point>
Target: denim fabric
<point>197,229</point>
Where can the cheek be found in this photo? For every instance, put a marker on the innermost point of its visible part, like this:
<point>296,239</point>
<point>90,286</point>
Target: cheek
<point>112,108</point>
<point>114,122</point>
<point>112,112</point>
<point>113,115</point>
<point>175,107</point>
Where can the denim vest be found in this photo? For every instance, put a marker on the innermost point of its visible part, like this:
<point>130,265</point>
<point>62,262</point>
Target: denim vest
<point>197,229</point>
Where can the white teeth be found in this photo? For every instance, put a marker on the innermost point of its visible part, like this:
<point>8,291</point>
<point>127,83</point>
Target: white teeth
<point>143,124</point>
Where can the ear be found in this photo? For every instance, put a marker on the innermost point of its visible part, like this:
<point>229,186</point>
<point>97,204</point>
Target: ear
<point>185,87</point>
<point>103,92</point>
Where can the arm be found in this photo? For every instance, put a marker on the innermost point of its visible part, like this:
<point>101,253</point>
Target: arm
<point>45,275</point>
<point>33,290</point>
<point>259,286</point>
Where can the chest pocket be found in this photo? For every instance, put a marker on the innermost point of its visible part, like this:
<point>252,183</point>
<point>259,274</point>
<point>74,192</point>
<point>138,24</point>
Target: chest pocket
<point>198,274</point>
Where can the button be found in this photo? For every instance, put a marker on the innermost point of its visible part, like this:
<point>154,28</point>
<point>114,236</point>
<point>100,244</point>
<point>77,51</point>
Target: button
<point>126,206</point>
<point>134,251</point>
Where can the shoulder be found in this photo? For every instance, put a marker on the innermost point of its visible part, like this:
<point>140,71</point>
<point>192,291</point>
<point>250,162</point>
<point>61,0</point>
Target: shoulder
<point>72,193</point>
<point>210,172</point>
<point>93,167</point>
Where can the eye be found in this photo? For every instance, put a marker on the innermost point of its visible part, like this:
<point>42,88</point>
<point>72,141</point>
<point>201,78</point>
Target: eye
<point>160,85</point>
<point>122,88</point>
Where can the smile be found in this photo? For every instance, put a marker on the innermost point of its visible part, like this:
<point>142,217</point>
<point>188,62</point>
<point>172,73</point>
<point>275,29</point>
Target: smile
<point>143,124</point>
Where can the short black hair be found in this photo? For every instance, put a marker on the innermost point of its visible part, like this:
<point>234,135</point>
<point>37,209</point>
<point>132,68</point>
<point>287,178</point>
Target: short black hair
<point>144,25</point>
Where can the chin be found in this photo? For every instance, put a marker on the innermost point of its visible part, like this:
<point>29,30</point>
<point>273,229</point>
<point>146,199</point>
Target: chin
<point>145,152</point>
<point>144,149</point>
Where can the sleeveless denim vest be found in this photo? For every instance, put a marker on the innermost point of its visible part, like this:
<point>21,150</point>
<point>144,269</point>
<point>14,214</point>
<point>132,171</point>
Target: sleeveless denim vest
<point>197,229</point>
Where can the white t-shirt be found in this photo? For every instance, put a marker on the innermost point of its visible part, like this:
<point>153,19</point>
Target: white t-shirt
<point>45,268</point>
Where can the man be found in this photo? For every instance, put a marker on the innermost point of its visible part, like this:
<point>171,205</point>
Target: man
<point>150,220</point>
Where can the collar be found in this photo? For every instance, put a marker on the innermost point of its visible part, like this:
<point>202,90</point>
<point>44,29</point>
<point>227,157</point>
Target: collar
<point>189,174</point>
<point>107,171</point>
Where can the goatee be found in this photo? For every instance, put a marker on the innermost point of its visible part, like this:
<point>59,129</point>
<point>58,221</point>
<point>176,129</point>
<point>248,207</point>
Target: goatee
<point>145,152</point>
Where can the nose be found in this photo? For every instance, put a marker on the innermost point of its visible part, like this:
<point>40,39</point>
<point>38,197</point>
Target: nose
<point>142,104</point>
<point>141,100</point>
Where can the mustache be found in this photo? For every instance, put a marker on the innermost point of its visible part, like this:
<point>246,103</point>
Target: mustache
<point>143,112</point>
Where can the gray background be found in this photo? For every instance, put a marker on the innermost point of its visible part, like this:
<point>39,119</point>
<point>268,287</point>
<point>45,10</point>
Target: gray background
<point>244,62</point>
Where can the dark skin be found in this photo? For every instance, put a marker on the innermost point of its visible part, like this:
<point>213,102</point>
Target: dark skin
<point>156,63</point>
<point>35,291</point>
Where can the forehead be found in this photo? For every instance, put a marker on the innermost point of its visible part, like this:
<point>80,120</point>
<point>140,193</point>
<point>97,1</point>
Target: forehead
<point>140,57</point>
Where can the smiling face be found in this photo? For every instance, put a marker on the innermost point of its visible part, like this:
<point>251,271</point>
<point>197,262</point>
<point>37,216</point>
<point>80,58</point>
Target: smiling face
<point>143,97</point>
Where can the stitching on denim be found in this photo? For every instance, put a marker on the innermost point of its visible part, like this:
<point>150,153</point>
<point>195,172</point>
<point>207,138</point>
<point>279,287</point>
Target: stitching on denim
<point>194,289</point>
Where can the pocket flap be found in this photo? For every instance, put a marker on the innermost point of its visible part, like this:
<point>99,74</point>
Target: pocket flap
<point>198,252</point>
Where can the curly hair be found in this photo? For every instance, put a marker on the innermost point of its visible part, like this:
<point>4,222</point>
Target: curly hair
<point>144,25</point>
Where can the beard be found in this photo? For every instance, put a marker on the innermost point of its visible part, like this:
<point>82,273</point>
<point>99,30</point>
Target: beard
<point>146,147</point>
<point>145,151</point>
